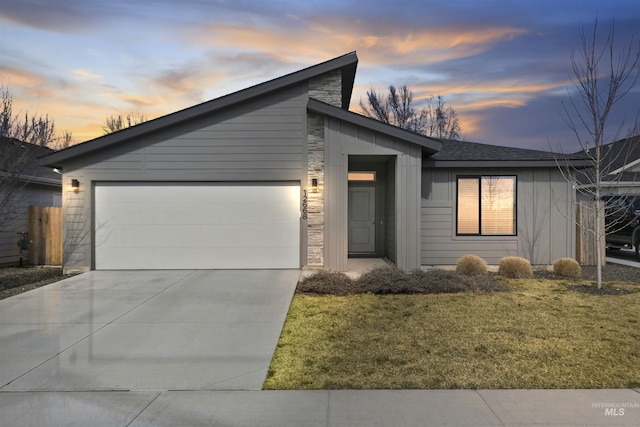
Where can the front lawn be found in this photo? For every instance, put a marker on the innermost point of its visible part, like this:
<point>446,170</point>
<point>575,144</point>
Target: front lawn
<point>540,334</point>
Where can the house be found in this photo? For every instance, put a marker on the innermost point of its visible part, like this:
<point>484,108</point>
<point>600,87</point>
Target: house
<point>283,175</point>
<point>23,183</point>
<point>620,169</point>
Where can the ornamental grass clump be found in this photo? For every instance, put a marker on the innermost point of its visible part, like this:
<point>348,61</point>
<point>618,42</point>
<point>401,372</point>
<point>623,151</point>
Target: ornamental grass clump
<point>513,267</point>
<point>472,265</point>
<point>567,267</point>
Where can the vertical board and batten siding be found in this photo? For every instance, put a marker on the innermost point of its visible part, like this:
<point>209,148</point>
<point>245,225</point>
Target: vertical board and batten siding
<point>263,139</point>
<point>344,139</point>
<point>545,228</point>
<point>31,195</point>
<point>390,210</point>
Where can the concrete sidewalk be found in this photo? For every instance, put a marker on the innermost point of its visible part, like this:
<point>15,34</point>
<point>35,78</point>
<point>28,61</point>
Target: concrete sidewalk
<point>323,408</point>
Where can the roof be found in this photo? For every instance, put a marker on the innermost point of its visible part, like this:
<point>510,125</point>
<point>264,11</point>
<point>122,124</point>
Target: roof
<point>429,145</point>
<point>346,63</point>
<point>619,160</point>
<point>618,157</point>
<point>13,149</point>
<point>474,154</point>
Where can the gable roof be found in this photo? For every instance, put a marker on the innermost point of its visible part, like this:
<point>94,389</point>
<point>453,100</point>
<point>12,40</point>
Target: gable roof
<point>474,154</point>
<point>619,164</point>
<point>620,157</point>
<point>429,145</point>
<point>347,64</point>
<point>25,155</point>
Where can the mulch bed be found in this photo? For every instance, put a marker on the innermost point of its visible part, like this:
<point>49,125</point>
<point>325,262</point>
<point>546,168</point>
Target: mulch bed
<point>387,280</point>
<point>620,279</point>
<point>384,280</point>
<point>14,281</point>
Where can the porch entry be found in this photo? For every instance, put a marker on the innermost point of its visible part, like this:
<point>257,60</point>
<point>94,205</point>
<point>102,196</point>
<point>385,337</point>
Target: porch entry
<point>371,203</point>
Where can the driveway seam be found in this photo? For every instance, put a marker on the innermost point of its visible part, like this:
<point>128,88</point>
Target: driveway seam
<point>206,387</point>
<point>148,299</point>
<point>144,409</point>
<point>490,408</point>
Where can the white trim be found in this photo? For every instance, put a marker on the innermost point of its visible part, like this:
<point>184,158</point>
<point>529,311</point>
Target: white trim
<point>609,184</point>
<point>625,167</point>
<point>197,225</point>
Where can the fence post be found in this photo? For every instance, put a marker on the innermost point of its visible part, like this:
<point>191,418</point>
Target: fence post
<point>585,232</point>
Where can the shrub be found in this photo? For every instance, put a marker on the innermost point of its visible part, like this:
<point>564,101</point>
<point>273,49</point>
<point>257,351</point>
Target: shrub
<point>472,265</point>
<point>567,267</point>
<point>394,281</point>
<point>440,281</point>
<point>327,282</point>
<point>391,280</point>
<point>385,280</point>
<point>513,267</point>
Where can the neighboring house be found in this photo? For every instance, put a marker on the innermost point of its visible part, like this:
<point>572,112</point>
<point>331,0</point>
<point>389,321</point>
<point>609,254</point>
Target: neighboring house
<point>31,185</point>
<point>620,169</point>
<point>282,175</point>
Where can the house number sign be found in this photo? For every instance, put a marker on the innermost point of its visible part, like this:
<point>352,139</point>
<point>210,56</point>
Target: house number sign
<point>304,204</point>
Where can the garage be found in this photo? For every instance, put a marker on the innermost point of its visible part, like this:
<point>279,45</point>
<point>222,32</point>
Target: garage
<point>196,225</point>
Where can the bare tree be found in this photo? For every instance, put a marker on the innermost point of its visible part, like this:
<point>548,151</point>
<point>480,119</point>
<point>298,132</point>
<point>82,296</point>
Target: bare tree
<point>602,75</point>
<point>63,141</point>
<point>23,138</point>
<point>114,123</point>
<point>33,129</point>
<point>437,119</point>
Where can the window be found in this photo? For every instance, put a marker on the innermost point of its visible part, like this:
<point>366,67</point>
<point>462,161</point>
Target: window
<point>486,206</point>
<point>361,176</point>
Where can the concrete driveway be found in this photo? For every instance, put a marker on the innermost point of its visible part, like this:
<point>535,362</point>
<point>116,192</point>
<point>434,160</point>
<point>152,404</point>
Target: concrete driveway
<point>145,330</point>
<point>623,256</point>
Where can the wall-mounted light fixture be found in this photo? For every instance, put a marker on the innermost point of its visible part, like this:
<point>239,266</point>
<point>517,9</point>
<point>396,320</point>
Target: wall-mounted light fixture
<point>75,184</point>
<point>314,184</point>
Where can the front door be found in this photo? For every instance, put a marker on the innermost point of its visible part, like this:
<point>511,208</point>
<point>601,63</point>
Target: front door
<point>362,220</point>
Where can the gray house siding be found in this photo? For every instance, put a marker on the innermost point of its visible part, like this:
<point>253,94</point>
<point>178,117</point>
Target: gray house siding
<point>390,220</point>
<point>343,140</point>
<point>31,195</point>
<point>545,225</point>
<point>260,140</point>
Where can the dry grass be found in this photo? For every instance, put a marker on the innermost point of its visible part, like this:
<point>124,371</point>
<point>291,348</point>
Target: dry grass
<point>541,334</point>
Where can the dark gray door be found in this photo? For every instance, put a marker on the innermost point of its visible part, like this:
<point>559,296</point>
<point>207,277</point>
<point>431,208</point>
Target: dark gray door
<point>362,219</point>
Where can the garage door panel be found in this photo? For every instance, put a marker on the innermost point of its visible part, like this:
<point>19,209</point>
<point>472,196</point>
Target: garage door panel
<point>245,213</point>
<point>198,258</point>
<point>152,235</point>
<point>198,193</point>
<point>140,226</point>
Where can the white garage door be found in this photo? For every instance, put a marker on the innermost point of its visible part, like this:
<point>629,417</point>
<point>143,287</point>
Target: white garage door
<point>197,226</point>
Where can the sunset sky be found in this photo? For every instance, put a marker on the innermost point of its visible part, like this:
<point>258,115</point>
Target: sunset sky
<point>503,65</point>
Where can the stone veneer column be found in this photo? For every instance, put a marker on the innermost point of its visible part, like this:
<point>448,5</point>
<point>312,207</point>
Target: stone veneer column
<point>326,88</point>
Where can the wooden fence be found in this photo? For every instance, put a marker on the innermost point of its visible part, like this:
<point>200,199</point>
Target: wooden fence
<point>45,233</point>
<point>585,237</point>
